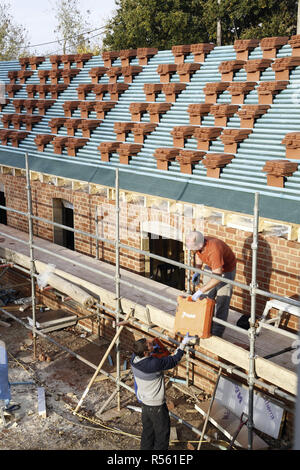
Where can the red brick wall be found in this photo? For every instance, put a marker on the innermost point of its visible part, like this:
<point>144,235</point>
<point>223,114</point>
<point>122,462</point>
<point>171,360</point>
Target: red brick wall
<point>278,266</point>
<point>278,260</point>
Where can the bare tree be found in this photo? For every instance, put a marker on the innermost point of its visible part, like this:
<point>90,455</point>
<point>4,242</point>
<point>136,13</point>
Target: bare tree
<point>13,37</point>
<point>71,26</point>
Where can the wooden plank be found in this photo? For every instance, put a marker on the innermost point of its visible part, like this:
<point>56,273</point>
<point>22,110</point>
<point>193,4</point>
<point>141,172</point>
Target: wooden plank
<point>266,370</point>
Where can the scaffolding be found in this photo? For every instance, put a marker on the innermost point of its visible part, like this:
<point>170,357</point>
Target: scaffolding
<point>121,320</point>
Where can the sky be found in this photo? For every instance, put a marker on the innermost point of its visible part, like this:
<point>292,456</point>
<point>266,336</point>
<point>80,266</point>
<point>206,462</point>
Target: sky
<point>38,17</point>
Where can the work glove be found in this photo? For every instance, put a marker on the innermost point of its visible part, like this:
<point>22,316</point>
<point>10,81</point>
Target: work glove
<point>198,295</point>
<point>186,340</point>
<point>196,278</point>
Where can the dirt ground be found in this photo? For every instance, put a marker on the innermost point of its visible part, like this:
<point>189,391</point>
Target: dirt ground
<point>64,379</point>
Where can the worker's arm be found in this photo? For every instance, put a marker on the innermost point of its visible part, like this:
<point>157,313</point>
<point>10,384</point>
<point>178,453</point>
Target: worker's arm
<point>212,282</point>
<point>156,364</point>
<point>201,292</point>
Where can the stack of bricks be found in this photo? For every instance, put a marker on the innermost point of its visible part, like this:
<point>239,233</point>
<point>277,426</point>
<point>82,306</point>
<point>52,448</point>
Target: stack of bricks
<point>204,136</point>
<point>239,90</point>
<point>122,129</point>
<point>83,89</point>
<point>201,50</point>
<point>72,125</point>
<point>292,144</point>
<point>171,90</point>
<point>130,71</point>
<point>213,90</point>
<point>166,71</point>
<point>294,42</point>
<point>267,90</point>
<point>151,90</point>
<point>20,75</point>
<point>250,112</point>
<point>223,112</point>
<point>19,120</point>
<point>283,66</point>
<point>185,71</point>
<point>56,75</point>
<point>228,69</point>
<point>126,55</point>
<point>145,53</point>
<point>86,107</point>
<point>243,47</point>
<point>12,89</point>
<point>107,148</point>
<point>180,134</point>
<point>214,162</point>
<point>89,125</point>
<point>97,72</point>
<point>187,160</point>
<point>115,89</point>
<point>67,60</point>
<point>278,170</point>
<point>140,130</point>
<point>197,112</point>
<point>180,52</point>
<point>68,75</point>
<point>71,143</point>
<point>55,124</point>
<point>100,89</point>
<point>164,156</point>
<point>108,57</point>
<point>255,67</point>
<point>13,136</point>
<point>126,151</point>
<point>155,111</point>
<point>270,46</point>
<point>41,140</point>
<point>231,138</point>
<point>69,107</point>
<point>137,110</point>
<point>102,107</point>
<point>113,73</point>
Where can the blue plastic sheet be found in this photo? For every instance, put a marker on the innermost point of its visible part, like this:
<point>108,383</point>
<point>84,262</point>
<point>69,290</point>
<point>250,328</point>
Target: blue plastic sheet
<point>4,383</point>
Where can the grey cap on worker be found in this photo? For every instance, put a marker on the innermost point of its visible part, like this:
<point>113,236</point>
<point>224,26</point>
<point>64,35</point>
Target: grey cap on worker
<point>194,240</point>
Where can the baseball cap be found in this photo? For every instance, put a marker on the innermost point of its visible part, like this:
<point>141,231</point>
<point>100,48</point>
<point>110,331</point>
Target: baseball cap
<point>194,240</point>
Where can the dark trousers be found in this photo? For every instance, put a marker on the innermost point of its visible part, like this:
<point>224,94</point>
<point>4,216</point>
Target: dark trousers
<point>222,294</point>
<point>156,427</point>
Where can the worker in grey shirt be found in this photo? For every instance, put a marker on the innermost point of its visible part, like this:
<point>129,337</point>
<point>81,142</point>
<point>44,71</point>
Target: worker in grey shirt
<point>149,382</point>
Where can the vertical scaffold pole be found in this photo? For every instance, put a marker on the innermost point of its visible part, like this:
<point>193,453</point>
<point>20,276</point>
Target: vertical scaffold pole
<point>32,263</point>
<point>97,232</point>
<point>252,329</point>
<point>118,304</point>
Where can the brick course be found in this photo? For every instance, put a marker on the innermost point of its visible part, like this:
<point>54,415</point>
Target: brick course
<point>278,264</point>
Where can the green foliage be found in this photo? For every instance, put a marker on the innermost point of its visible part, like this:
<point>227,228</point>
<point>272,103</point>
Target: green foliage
<point>164,23</point>
<point>248,19</point>
<point>155,23</point>
<point>13,37</point>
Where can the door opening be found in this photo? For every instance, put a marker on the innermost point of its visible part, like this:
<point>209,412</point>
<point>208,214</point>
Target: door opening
<point>166,273</point>
<point>3,212</point>
<point>63,213</point>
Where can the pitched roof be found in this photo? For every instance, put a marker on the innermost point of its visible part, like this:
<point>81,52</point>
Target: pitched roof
<point>228,86</point>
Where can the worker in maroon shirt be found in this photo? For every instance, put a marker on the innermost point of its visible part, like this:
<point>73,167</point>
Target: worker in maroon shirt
<point>217,257</point>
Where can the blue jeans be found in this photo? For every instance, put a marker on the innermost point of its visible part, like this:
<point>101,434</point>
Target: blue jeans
<point>222,295</point>
<point>156,427</point>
